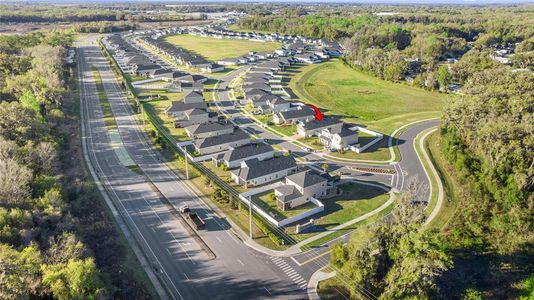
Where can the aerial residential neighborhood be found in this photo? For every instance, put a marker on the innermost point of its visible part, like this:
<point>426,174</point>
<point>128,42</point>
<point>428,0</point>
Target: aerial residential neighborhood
<point>241,150</point>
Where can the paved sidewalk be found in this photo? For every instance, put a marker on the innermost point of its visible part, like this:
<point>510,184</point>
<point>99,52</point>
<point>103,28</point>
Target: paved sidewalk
<point>314,282</point>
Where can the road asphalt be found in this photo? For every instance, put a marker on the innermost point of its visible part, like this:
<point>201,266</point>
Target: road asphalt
<point>183,265</point>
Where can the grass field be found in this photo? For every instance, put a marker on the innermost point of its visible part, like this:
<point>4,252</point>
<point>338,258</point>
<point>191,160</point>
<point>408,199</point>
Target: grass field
<point>216,49</point>
<point>360,98</point>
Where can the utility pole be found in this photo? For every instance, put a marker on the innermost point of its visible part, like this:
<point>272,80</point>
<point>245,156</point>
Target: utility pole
<point>184,151</point>
<point>186,168</point>
<point>250,215</point>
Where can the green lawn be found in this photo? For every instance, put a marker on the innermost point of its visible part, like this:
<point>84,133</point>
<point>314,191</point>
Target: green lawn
<point>288,130</point>
<point>313,142</point>
<point>268,204</point>
<point>216,49</point>
<point>355,200</point>
<point>341,90</point>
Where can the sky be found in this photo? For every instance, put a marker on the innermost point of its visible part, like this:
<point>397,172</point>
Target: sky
<point>471,2</point>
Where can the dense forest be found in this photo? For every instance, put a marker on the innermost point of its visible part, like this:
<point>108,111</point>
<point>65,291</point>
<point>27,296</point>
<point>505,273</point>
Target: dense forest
<point>56,239</point>
<point>416,42</point>
<point>487,135</point>
<point>57,13</point>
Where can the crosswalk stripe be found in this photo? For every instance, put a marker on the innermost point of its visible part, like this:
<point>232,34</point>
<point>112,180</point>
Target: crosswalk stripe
<point>295,276</point>
<point>286,268</point>
<point>303,286</point>
<point>280,263</point>
<point>292,272</point>
<point>300,281</point>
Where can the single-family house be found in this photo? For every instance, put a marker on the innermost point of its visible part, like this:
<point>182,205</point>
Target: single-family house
<point>338,140</point>
<point>228,62</point>
<point>233,158</point>
<point>212,68</point>
<point>255,172</point>
<point>187,87</point>
<point>299,188</point>
<point>314,127</point>
<point>192,78</point>
<point>221,142</point>
<point>201,131</point>
<point>178,108</point>
<point>195,116</point>
<point>303,113</point>
<point>193,97</point>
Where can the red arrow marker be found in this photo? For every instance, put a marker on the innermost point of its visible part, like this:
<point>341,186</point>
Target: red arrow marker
<point>318,113</point>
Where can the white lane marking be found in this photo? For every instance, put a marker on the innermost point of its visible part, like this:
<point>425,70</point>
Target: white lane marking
<point>169,251</point>
<point>187,277</point>
<point>239,261</point>
<point>293,259</point>
<point>268,291</point>
<point>219,239</point>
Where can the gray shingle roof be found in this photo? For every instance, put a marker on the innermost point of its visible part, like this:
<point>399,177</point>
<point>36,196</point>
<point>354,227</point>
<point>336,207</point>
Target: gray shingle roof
<point>238,135</point>
<point>257,168</point>
<point>289,192</point>
<point>297,113</point>
<point>306,178</point>
<point>179,106</point>
<point>208,127</point>
<point>247,151</point>
<point>325,122</point>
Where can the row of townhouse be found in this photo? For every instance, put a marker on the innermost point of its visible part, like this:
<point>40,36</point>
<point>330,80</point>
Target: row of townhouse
<point>180,55</point>
<point>134,62</point>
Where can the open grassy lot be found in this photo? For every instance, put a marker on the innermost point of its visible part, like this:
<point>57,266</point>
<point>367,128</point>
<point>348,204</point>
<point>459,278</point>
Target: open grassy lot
<point>360,98</point>
<point>216,49</point>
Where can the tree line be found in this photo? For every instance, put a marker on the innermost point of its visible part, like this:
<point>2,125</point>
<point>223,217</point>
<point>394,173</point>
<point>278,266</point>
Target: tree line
<point>56,240</point>
<point>416,43</point>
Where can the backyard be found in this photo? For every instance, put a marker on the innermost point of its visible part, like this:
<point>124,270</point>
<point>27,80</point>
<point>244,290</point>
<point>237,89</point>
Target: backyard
<point>360,98</point>
<point>268,204</point>
<point>217,49</point>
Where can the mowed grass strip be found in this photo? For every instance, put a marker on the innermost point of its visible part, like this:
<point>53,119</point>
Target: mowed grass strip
<point>361,98</point>
<point>217,49</point>
<point>109,118</point>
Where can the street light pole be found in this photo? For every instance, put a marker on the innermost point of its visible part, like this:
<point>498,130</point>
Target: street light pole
<point>250,215</point>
